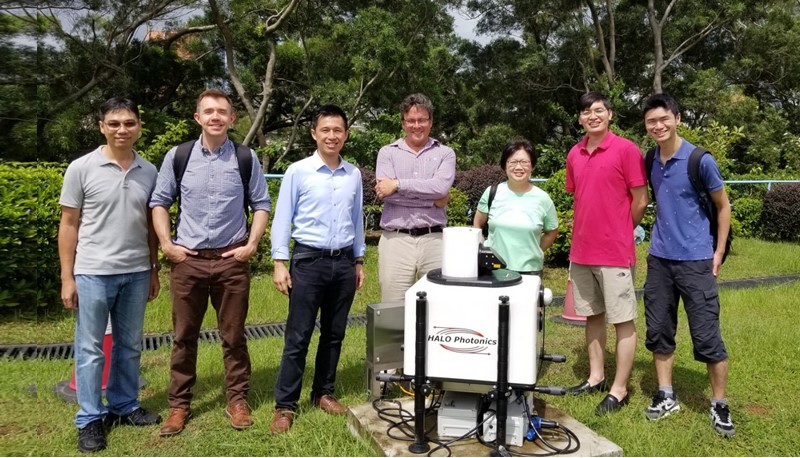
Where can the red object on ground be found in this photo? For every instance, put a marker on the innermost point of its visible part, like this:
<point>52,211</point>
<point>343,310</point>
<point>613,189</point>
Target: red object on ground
<point>106,367</point>
<point>569,307</point>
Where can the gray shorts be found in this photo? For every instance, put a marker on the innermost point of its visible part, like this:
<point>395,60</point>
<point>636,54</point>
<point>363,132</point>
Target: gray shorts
<point>667,281</point>
<point>604,289</point>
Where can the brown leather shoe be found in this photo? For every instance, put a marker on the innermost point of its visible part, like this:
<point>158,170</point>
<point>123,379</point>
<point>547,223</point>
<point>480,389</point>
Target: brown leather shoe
<point>175,422</point>
<point>239,414</point>
<point>330,405</point>
<point>281,421</point>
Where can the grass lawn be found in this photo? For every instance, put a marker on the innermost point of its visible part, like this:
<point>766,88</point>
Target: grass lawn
<point>759,328</point>
<point>750,258</point>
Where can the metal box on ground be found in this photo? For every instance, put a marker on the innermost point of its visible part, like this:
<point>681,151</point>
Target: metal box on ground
<point>458,414</point>
<point>516,424</point>
<point>385,323</point>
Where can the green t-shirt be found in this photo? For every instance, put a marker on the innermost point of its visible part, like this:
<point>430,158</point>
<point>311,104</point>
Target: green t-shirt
<point>516,223</point>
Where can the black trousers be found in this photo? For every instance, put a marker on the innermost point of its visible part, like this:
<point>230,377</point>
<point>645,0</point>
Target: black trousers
<point>319,284</point>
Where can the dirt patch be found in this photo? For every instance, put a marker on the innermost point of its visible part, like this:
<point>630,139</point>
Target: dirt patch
<point>8,430</point>
<point>758,410</point>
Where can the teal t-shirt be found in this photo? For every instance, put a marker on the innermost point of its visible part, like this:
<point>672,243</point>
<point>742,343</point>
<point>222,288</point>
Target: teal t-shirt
<point>516,223</point>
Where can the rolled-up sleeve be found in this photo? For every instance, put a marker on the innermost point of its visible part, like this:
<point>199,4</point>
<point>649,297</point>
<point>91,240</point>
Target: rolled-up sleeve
<point>259,193</point>
<point>165,191</point>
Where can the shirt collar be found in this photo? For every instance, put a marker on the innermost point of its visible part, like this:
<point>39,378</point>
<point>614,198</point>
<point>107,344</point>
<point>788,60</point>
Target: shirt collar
<point>102,160</point>
<point>401,143</point>
<point>225,147</point>
<point>604,145</point>
<point>318,163</point>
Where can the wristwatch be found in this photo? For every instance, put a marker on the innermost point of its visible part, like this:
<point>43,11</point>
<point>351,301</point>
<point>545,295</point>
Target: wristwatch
<point>360,262</point>
<point>155,266</point>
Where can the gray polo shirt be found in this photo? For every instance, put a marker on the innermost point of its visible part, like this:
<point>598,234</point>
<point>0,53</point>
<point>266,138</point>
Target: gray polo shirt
<point>112,233</point>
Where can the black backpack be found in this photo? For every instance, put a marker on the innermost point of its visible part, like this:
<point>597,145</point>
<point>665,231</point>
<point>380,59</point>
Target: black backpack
<point>705,198</point>
<point>485,228</point>
<point>243,157</point>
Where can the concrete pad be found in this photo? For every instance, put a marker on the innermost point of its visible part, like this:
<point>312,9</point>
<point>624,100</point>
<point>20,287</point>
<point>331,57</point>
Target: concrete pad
<point>363,421</point>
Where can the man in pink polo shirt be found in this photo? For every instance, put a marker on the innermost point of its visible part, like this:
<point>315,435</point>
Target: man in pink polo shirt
<point>606,174</point>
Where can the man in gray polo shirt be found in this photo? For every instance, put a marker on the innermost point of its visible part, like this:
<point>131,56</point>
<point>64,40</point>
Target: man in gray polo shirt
<point>108,254</point>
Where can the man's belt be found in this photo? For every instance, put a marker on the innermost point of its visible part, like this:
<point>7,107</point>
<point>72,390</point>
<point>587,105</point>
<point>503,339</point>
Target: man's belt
<point>216,253</point>
<point>417,231</point>
<point>306,252</point>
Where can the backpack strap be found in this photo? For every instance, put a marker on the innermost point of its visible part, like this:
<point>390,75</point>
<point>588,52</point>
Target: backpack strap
<point>705,197</point>
<point>179,163</point>
<point>648,168</point>
<point>699,187</point>
<point>245,160</point>
<point>492,192</point>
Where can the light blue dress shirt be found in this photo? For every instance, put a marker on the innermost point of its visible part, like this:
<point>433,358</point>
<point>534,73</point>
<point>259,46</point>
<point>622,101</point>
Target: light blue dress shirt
<point>319,207</point>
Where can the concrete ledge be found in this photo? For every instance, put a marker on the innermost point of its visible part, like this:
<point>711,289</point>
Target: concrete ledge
<point>363,421</point>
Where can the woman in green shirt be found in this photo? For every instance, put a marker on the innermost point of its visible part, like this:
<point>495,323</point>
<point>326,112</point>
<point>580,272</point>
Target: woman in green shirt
<point>522,218</point>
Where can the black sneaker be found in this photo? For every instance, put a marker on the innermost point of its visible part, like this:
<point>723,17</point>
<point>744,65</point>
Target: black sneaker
<point>92,437</point>
<point>721,419</point>
<point>138,417</point>
<point>662,406</point>
<point>610,404</point>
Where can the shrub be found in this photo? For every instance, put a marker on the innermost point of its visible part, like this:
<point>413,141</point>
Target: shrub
<point>780,217</point>
<point>558,253</point>
<point>474,182</point>
<point>556,187</point>
<point>747,211</point>
<point>458,210</point>
<point>29,218</point>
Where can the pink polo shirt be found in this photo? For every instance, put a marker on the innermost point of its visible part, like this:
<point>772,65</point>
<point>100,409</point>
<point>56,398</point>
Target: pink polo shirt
<point>602,232</point>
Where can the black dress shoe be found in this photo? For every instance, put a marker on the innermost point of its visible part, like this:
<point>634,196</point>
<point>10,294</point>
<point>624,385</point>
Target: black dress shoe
<point>92,437</point>
<point>138,417</point>
<point>586,388</point>
<point>610,404</point>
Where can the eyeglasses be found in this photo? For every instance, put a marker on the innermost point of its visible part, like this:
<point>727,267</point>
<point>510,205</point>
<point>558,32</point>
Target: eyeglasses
<point>114,125</point>
<point>417,122</point>
<point>513,164</point>
<point>596,112</point>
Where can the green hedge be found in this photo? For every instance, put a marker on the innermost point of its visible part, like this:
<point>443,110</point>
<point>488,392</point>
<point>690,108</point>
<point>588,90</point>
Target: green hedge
<point>29,217</point>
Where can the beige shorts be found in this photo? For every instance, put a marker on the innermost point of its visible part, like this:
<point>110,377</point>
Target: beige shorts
<point>604,289</point>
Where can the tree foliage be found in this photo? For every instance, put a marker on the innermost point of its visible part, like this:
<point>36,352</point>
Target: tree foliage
<point>733,65</point>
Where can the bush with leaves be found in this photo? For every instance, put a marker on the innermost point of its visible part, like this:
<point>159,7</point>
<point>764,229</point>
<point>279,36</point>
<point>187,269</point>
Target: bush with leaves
<point>474,182</point>
<point>458,210</point>
<point>747,211</point>
<point>555,187</point>
<point>29,218</point>
<point>780,217</point>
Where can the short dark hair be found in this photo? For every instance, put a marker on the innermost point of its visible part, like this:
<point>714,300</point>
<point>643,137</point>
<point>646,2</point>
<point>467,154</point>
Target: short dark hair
<point>118,103</point>
<point>213,93</point>
<point>325,111</point>
<point>416,100</point>
<point>588,99</point>
<point>662,100</point>
<point>515,145</point>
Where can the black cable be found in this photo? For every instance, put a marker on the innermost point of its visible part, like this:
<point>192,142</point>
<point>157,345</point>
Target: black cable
<point>402,420</point>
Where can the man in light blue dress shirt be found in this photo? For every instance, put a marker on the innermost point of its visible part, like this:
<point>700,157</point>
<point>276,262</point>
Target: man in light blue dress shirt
<point>320,207</point>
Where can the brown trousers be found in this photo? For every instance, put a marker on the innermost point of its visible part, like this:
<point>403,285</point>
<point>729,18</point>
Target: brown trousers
<point>226,282</point>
